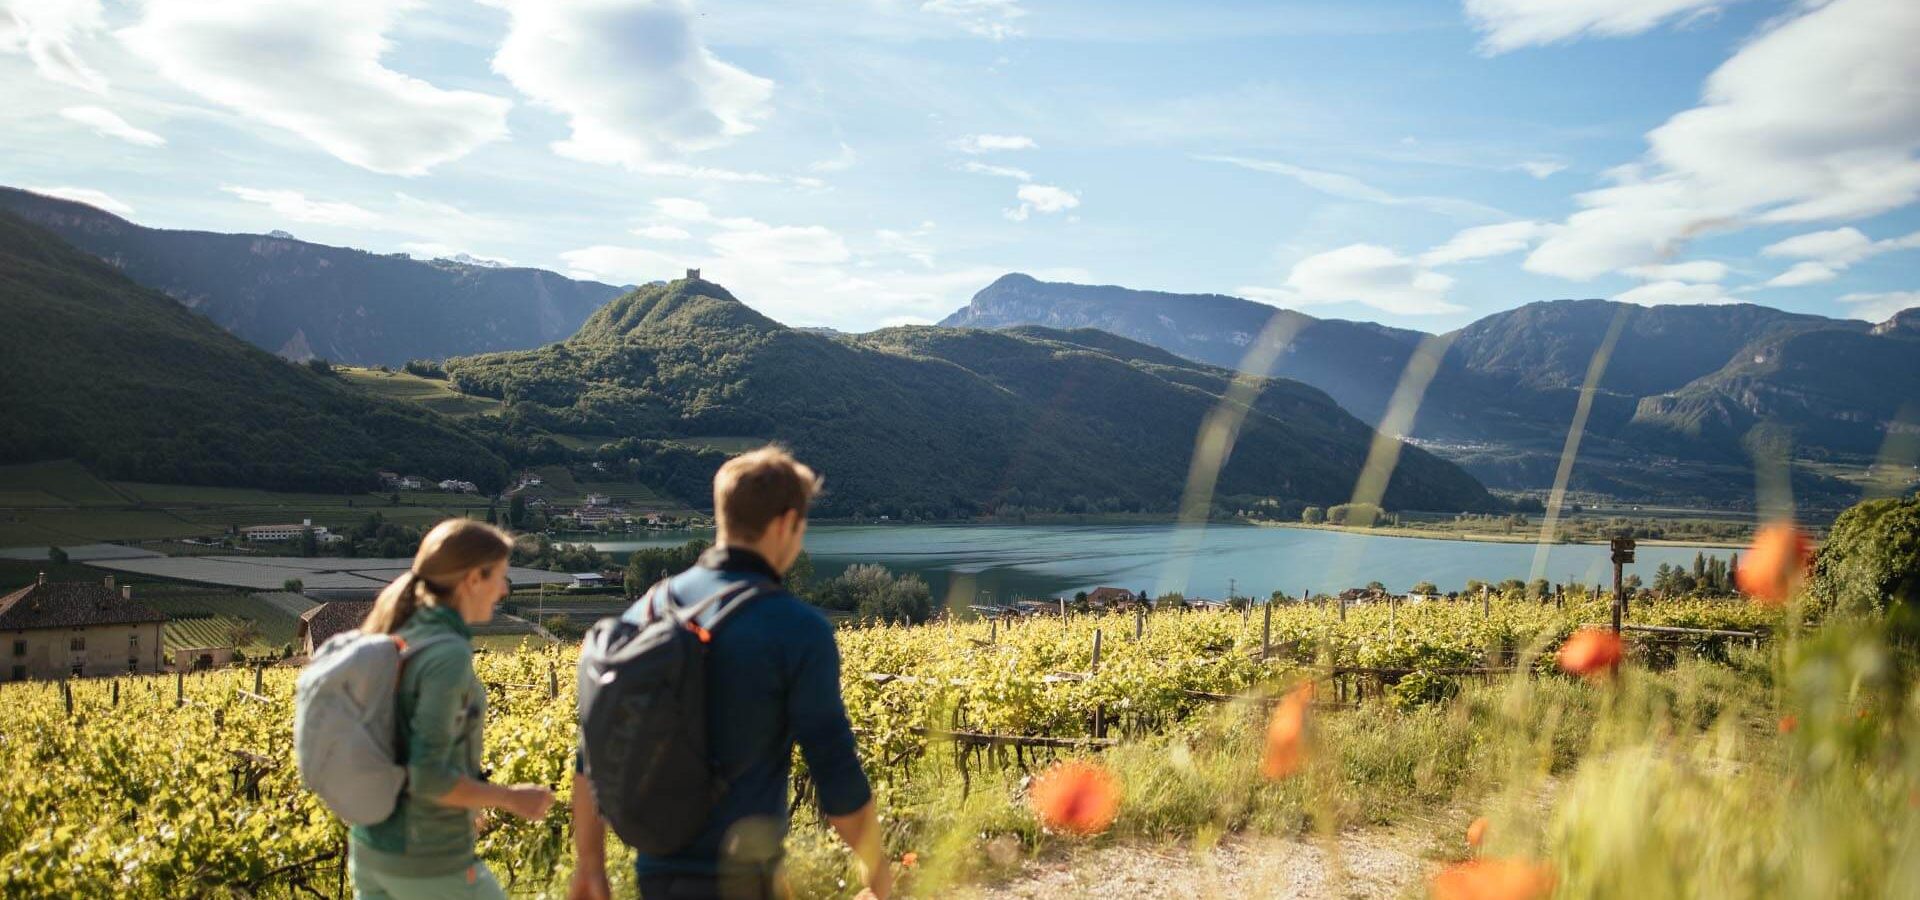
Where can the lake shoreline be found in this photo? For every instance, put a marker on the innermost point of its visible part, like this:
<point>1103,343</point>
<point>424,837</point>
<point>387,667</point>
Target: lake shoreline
<point>1482,538</point>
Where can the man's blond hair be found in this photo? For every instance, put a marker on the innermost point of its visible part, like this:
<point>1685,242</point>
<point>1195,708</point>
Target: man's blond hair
<point>754,488</point>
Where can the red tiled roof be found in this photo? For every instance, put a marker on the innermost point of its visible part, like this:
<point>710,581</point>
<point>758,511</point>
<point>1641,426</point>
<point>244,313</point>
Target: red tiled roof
<point>328,619</point>
<point>71,604</point>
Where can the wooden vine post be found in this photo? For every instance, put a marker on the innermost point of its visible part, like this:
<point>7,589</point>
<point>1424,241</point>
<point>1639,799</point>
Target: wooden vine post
<point>1139,622</point>
<point>1266,630</point>
<point>179,688</point>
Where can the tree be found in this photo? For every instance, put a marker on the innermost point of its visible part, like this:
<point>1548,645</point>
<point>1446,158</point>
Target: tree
<point>1537,589</point>
<point>517,512</point>
<point>1376,587</point>
<point>1426,587</point>
<point>872,592</point>
<point>293,585</point>
<point>56,556</point>
<point>800,575</point>
<point>309,544</point>
<point>320,366</point>
<point>243,632</point>
<point>1871,560</point>
<point>1313,515</point>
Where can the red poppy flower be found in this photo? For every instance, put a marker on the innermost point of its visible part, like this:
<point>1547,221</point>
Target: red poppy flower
<point>1477,832</point>
<point>1773,567</point>
<point>1592,652</point>
<point>1076,796</point>
<point>909,859</point>
<point>1788,723</point>
<point>1494,879</point>
<point>1287,734</point>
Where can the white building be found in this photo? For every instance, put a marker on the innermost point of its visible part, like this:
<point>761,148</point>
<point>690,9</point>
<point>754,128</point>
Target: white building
<point>459,487</point>
<point>589,580</point>
<point>598,500</point>
<point>268,534</point>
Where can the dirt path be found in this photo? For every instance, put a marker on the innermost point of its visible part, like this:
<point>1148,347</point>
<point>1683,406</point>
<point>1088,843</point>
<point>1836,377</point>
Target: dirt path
<point>1370,864</point>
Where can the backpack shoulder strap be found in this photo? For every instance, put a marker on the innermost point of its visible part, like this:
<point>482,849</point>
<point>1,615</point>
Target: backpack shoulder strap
<point>736,596</point>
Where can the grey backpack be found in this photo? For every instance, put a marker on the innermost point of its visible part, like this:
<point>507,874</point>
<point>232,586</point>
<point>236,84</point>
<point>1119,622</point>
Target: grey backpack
<point>345,739</point>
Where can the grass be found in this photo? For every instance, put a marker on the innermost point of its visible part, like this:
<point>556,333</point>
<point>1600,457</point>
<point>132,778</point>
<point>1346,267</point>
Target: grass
<point>66,482</point>
<point>1791,771</point>
<point>558,485</point>
<point>432,393</point>
<point>60,504</point>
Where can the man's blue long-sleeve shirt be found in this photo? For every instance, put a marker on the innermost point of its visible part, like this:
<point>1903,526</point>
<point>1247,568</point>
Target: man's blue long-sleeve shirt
<point>773,680</point>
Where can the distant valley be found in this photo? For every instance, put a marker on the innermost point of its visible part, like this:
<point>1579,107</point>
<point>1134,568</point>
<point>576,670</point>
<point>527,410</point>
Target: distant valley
<point>1688,396</point>
<point>302,300</point>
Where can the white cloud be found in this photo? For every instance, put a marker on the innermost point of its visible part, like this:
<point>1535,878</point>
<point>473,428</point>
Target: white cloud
<point>1828,253</point>
<point>991,143</point>
<point>1840,246</point>
<point>839,162</point>
<point>1813,120</point>
<point>107,123</point>
<point>782,244</point>
<point>1512,24</point>
<point>1665,293</point>
<point>1542,168</point>
<point>313,68</point>
<point>636,84</point>
<point>1347,187</point>
<point>908,245</point>
<point>1879,307</point>
<point>685,210</point>
<point>662,233</point>
<point>1362,273</point>
<point>1803,273</point>
<point>89,196</point>
<point>45,30</point>
<point>987,18</point>
<point>298,207</point>
<point>1484,241</point>
<point>980,168</point>
<point>1041,198</point>
<point>1698,271</point>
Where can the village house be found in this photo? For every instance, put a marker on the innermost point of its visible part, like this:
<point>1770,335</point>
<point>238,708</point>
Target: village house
<point>588,580</point>
<point>1103,597</point>
<point>598,500</point>
<point>328,619</point>
<point>457,486</point>
<point>69,629</point>
<point>412,482</point>
<point>273,534</point>
<point>594,516</point>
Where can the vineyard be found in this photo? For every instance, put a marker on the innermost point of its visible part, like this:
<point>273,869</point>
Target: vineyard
<point>167,786</point>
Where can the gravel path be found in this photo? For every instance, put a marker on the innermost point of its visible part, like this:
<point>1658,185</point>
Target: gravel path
<point>1363,864</point>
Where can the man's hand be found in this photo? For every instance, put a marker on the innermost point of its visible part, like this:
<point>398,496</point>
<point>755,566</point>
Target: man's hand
<point>861,830</point>
<point>528,801</point>
<point>589,883</point>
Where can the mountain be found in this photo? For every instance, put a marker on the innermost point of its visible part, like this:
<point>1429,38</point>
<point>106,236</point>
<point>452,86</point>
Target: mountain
<point>1835,389</point>
<point>137,387</point>
<point>931,422</point>
<point>303,300</point>
<point>1669,420</point>
<point>1358,363</point>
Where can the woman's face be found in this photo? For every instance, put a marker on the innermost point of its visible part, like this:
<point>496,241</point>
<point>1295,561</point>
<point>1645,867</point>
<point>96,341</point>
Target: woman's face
<point>481,591</point>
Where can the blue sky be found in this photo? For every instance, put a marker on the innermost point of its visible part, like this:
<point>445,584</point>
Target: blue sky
<point>868,162</point>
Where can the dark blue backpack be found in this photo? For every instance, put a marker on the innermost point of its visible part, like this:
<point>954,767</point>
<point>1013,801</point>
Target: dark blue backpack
<point>643,717</point>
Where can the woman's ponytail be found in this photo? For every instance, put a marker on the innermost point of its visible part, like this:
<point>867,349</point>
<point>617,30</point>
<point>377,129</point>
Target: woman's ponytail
<point>446,554</point>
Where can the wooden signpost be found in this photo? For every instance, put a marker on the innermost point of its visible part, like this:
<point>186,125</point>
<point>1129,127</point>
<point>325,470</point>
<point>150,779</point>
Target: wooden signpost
<point>1622,555</point>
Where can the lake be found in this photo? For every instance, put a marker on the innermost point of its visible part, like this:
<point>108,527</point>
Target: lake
<point>981,563</point>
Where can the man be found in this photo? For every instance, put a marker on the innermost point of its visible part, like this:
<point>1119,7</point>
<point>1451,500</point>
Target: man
<point>773,680</point>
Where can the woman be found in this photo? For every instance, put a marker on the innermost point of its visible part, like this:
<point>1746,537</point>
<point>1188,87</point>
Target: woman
<point>425,849</point>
